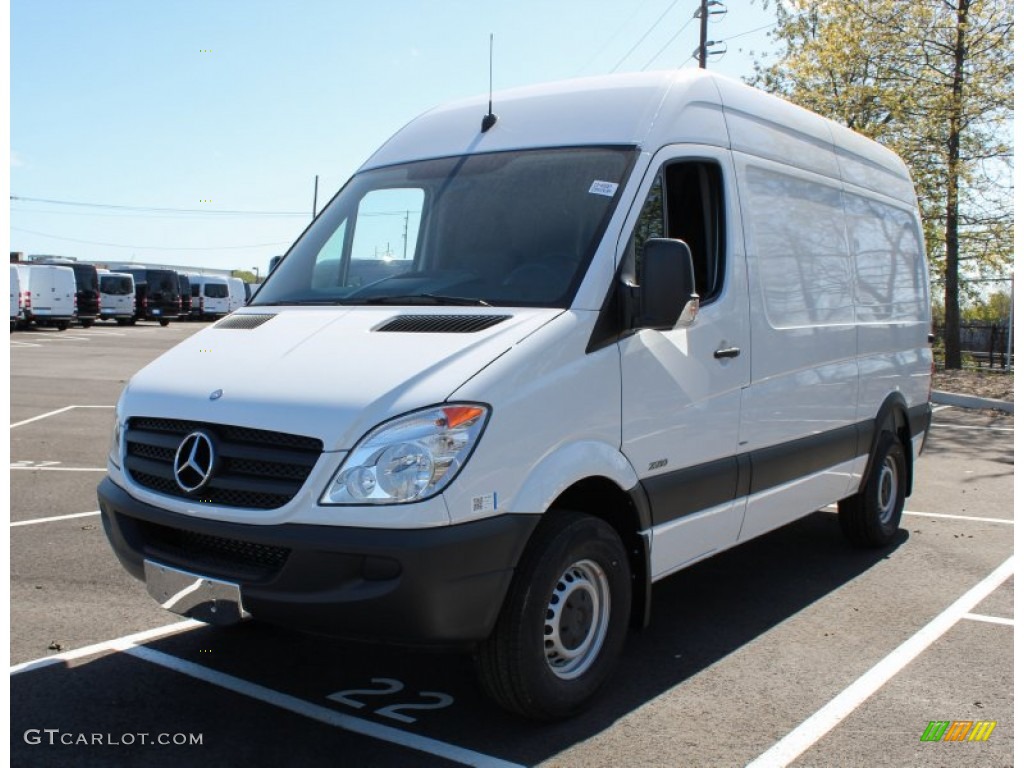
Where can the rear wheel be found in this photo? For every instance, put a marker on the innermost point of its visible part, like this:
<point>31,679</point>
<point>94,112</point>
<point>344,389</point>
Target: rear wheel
<point>165,323</point>
<point>563,622</point>
<point>872,517</point>
<point>63,325</point>
<point>88,323</point>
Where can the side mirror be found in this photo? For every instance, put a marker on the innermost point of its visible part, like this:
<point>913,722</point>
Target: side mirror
<point>667,297</point>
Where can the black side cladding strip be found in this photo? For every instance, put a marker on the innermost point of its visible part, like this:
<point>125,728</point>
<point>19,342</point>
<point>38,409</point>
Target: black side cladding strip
<point>687,491</point>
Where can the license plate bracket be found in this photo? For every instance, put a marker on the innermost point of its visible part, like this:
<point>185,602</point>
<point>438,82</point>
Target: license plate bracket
<point>193,595</point>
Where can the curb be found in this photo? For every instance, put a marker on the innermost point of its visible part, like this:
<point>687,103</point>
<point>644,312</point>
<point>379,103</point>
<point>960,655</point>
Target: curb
<point>968,401</point>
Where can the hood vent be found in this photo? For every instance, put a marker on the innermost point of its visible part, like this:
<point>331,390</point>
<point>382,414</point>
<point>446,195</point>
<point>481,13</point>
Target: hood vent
<point>243,322</point>
<point>441,323</point>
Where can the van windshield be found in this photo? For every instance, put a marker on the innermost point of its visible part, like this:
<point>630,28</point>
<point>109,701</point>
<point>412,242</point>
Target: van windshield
<point>506,228</point>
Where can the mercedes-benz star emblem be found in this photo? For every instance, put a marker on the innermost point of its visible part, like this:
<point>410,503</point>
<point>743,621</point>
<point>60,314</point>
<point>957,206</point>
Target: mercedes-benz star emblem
<point>216,394</point>
<point>193,463</point>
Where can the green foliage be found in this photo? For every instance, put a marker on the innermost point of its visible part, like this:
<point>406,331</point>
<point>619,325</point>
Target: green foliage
<point>246,275</point>
<point>993,310</point>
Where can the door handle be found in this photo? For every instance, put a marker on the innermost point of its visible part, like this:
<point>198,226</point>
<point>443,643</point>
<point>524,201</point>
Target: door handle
<point>727,352</point>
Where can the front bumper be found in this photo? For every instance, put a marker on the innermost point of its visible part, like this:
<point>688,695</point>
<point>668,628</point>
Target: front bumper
<point>420,587</point>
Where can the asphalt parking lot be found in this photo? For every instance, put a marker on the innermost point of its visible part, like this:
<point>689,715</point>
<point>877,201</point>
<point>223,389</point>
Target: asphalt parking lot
<point>791,649</point>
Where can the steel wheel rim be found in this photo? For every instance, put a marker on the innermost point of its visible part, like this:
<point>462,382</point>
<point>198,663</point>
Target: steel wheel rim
<point>888,484</point>
<point>577,618</point>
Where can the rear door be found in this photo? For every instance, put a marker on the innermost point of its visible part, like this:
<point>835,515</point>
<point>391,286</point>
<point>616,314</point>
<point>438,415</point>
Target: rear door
<point>681,388</point>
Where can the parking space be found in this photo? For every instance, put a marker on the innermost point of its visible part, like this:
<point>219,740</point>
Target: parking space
<point>743,651</point>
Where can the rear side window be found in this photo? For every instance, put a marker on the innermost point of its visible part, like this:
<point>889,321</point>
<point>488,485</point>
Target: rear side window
<point>114,285</point>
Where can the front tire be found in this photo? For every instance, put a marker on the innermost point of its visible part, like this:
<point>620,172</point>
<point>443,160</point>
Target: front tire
<point>563,622</point>
<point>165,323</point>
<point>872,517</point>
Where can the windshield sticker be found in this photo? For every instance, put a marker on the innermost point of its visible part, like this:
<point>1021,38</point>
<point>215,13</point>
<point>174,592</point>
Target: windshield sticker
<point>606,188</point>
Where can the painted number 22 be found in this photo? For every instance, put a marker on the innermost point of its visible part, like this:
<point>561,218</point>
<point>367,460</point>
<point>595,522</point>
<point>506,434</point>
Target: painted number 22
<point>435,700</point>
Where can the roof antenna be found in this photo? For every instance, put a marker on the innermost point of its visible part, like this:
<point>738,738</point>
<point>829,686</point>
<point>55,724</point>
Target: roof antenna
<point>490,118</point>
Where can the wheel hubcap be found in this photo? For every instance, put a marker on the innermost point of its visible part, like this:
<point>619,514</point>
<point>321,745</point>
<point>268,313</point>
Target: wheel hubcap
<point>577,619</point>
<point>888,483</point>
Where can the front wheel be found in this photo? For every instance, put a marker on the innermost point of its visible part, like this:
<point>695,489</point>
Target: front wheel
<point>563,622</point>
<point>872,517</point>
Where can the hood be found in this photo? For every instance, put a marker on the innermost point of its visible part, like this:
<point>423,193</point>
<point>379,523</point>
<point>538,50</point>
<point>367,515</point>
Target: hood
<point>330,373</point>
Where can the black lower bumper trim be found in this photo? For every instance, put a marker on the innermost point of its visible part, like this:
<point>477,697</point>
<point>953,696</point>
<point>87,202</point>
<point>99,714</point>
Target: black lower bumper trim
<point>420,587</point>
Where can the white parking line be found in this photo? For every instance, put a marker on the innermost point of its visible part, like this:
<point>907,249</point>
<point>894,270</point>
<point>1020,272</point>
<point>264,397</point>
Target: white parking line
<point>118,644</point>
<point>960,517</point>
<point>989,619</point>
<point>811,730</point>
<point>316,712</point>
<point>60,469</point>
<point>65,409</point>
<point>53,519</point>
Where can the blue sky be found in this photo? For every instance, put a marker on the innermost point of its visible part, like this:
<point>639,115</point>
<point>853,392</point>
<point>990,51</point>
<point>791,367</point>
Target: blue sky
<point>226,105</point>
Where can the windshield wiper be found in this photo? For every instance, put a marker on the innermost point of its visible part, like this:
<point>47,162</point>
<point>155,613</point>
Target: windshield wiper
<point>428,298</point>
<point>305,303</point>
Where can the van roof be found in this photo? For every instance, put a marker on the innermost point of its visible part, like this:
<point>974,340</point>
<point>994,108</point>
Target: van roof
<point>650,110</point>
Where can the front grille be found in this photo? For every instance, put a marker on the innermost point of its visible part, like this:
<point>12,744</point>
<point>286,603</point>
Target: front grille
<point>213,555</point>
<point>441,323</point>
<point>253,468</point>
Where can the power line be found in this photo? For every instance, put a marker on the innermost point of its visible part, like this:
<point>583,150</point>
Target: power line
<point>149,247</point>
<point>645,34</point>
<point>666,45</point>
<point>151,209</point>
<point>615,34</point>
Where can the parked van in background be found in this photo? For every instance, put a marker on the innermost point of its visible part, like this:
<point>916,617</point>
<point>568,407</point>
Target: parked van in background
<point>499,437</point>
<point>52,295</point>
<point>15,290</point>
<point>185,287</point>
<point>160,297</point>
<point>117,296</point>
<point>236,293</point>
<point>87,288</point>
<point>212,291</point>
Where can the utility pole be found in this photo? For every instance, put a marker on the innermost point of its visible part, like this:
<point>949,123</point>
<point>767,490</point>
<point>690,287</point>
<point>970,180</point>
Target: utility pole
<point>702,53</point>
<point>707,9</point>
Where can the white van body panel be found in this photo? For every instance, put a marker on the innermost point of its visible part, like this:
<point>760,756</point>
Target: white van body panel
<point>53,292</point>
<point>236,293</point>
<point>212,306</point>
<point>117,305</point>
<point>536,388</point>
<point>15,291</point>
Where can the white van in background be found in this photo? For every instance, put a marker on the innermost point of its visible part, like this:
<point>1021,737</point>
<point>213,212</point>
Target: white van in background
<point>210,296</point>
<point>51,295</point>
<point>236,293</point>
<point>15,290</point>
<point>500,435</point>
<point>117,297</point>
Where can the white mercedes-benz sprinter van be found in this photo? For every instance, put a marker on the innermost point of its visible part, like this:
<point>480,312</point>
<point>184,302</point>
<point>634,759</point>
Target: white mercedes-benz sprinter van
<point>523,366</point>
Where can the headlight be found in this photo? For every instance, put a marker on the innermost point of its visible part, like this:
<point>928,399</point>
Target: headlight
<point>409,458</point>
<point>115,443</point>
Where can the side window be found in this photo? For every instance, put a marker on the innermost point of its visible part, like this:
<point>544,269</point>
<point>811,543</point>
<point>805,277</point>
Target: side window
<point>685,203</point>
<point>386,232</point>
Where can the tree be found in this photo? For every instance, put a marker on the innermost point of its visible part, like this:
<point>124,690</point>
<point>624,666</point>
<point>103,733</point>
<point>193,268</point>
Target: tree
<point>932,80</point>
<point>246,275</point>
